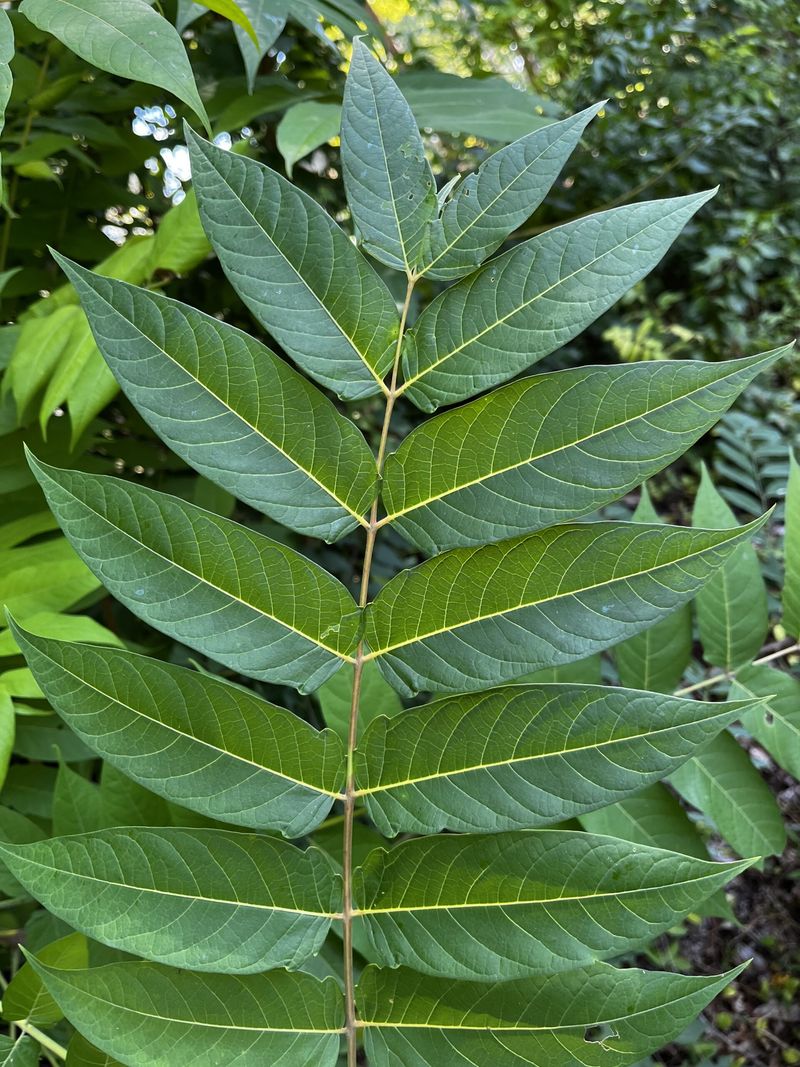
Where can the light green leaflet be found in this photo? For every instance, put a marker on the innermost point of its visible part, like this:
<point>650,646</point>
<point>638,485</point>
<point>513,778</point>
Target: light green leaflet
<point>228,592</point>
<point>553,447</point>
<point>732,615</point>
<point>723,783</point>
<point>299,274</point>
<point>6,81</point>
<point>147,1015</point>
<point>776,723</point>
<point>336,696</point>
<point>510,905</point>
<point>791,587</point>
<point>80,1053</point>
<point>304,127</point>
<point>657,657</point>
<point>524,756</point>
<point>192,738</point>
<point>228,405</point>
<point>497,198</point>
<point>390,187</point>
<point>596,1016</point>
<point>653,817</point>
<point>212,900</point>
<point>125,37</point>
<point>26,996</point>
<point>474,617</point>
<point>528,302</point>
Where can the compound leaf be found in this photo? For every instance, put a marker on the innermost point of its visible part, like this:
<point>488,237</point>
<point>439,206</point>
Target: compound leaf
<point>723,784</point>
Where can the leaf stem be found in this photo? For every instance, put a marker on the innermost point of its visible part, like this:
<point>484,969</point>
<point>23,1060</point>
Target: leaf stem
<point>723,675</point>
<point>45,1041</point>
<point>351,1023</point>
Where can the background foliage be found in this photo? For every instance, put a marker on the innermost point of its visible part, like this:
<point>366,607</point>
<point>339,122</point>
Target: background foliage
<point>95,165</point>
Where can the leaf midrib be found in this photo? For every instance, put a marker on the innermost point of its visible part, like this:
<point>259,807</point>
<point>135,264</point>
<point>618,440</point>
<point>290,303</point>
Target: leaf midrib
<point>546,901</point>
<point>527,303</point>
<point>545,600</point>
<point>235,904</point>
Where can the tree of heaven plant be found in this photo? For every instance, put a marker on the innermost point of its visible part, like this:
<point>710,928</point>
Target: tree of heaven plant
<point>492,942</point>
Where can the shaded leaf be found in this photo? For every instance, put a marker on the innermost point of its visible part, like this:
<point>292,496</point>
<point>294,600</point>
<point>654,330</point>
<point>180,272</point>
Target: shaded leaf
<point>377,698</point>
<point>775,723</point>
<point>26,997</point>
<point>732,615</point>
<point>791,588</point>
<point>657,657</point>
<point>305,127</point>
<point>725,786</point>
<point>125,37</point>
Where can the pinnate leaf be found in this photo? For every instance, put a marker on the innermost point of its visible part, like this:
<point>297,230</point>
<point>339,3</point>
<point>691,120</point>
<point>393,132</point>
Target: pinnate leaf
<point>732,615</point>
<point>723,783</point>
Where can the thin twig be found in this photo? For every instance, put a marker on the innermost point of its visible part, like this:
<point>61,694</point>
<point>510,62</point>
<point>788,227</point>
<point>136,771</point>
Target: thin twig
<point>723,675</point>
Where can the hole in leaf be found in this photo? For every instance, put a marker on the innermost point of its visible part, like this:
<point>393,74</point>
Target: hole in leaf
<point>599,1034</point>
